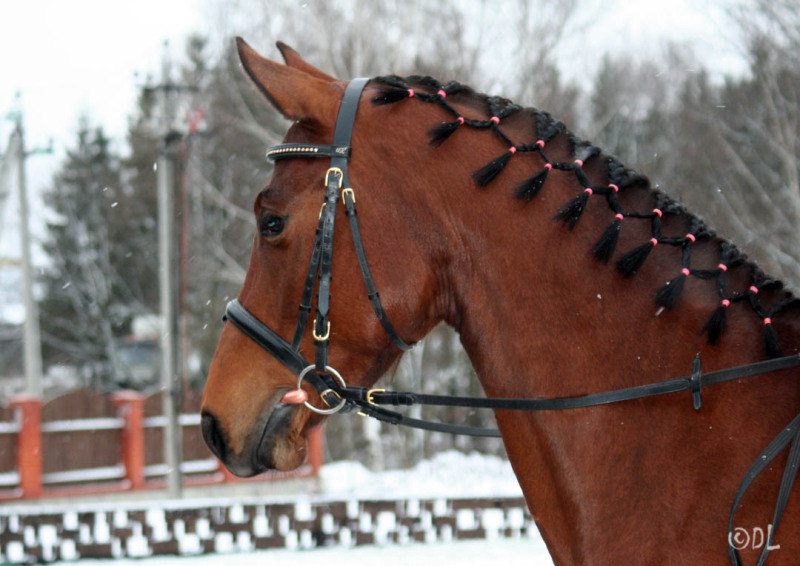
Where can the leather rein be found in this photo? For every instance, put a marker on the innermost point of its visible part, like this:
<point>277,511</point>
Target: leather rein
<point>340,397</point>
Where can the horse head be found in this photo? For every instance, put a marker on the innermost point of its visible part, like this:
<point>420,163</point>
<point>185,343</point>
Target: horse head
<point>245,422</point>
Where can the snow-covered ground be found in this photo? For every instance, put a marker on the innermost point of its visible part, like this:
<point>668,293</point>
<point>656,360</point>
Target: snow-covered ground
<point>530,552</point>
<point>448,474</point>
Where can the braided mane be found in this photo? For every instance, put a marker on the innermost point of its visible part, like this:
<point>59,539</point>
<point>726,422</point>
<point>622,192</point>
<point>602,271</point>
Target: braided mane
<point>620,178</point>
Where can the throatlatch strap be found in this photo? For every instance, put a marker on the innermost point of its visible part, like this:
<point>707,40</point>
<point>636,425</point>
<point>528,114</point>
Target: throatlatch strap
<point>350,207</point>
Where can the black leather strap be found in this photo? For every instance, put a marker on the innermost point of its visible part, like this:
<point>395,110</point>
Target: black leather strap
<point>335,178</point>
<point>262,335</point>
<point>786,436</point>
<point>322,323</point>
<point>320,267</point>
<point>294,150</point>
<point>308,289</point>
<point>673,385</point>
<point>350,207</point>
<point>344,124</point>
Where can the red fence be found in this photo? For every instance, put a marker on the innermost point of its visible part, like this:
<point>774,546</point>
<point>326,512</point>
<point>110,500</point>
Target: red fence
<point>85,442</point>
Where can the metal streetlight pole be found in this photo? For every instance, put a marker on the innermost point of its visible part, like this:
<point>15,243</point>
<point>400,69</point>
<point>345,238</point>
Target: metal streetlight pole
<point>170,378</point>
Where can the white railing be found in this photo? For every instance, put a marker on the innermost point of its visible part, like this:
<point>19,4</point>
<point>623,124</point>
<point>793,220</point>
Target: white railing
<point>80,425</point>
<point>9,427</point>
<point>9,479</point>
<point>188,419</point>
<point>85,475</point>
<point>191,467</point>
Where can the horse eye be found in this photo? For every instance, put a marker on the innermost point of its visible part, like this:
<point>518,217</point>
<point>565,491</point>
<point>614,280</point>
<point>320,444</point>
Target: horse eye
<point>272,225</point>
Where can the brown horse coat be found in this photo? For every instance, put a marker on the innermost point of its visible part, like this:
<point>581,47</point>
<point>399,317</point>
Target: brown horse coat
<point>642,482</point>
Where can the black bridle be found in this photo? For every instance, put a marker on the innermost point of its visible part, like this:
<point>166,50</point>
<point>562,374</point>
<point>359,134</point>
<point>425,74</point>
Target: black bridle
<point>369,402</point>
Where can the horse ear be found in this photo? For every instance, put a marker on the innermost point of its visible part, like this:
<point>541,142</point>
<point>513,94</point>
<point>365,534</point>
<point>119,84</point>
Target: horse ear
<point>293,59</point>
<point>294,93</point>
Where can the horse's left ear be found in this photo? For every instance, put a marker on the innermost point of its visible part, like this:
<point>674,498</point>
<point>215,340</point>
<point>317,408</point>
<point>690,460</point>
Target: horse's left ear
<point>293,59</point>
<point>295,93</point>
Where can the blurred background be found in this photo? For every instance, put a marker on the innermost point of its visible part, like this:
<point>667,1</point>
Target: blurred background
<point>107,108</point>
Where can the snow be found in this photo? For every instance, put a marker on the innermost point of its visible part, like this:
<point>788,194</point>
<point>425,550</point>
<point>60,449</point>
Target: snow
<point>531,552</point>
<point>448,474</point>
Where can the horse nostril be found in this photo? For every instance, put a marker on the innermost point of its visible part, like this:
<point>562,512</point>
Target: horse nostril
<point>213,435</point>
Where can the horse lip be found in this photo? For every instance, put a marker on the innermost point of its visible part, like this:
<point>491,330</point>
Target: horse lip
<point>279,422</point>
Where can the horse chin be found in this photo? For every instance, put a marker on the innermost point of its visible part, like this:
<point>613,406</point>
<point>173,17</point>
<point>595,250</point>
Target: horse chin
<point>282,447</point>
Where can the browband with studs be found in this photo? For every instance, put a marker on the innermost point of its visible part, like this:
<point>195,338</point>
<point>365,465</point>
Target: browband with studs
<point>292,150</point>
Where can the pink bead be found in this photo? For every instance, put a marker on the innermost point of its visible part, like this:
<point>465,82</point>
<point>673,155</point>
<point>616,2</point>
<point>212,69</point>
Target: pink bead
<point>754,289</point>
<point>725,303</point>
<point>411,93</point>
<point>460,120</point>
<point>588,190</point>
<point>691,237</point>
<point>685,271</point>
<point>494,119</point>
<point>723,267</point>
<point>540,143</point>
<point>579,162</point>
<point>548,166</point>
<point>657,212</point>
<point>442,93</point>
<point>767,320</point>
<point>512,150</point>
<point>613,186</point>
<point>618,216</point>
<point>654,241</point>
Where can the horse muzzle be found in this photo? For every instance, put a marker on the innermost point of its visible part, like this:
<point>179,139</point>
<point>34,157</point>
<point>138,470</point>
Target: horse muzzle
<point>275,443</point>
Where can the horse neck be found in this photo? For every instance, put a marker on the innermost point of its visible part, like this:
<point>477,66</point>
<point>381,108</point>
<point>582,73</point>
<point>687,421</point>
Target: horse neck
<point>527,293</point>
<point>540,317</point>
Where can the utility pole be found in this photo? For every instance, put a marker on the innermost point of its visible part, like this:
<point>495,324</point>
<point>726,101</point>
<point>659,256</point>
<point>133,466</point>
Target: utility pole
<point>170,378</point>
<point>31,336</point>
<point>167,168</point>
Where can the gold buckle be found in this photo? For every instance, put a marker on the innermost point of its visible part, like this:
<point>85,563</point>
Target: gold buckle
<point>352,194</point>
<point>321,208</point>
<point>322,396</point>
<point>371,392</point>
<point>334,170</point>
<point>319,338</point>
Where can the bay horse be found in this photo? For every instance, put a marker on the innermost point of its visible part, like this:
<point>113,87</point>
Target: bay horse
<point>457,193</point>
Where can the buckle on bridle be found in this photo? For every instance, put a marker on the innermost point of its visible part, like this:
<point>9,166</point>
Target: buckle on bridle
<point>336,408</point>
<point>338,172</point>
<point>324,337</point>
<point>370,393</point>
<point>352,194</point>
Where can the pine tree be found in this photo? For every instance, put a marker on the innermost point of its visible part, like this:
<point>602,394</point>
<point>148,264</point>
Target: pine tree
<point>86,306</point>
